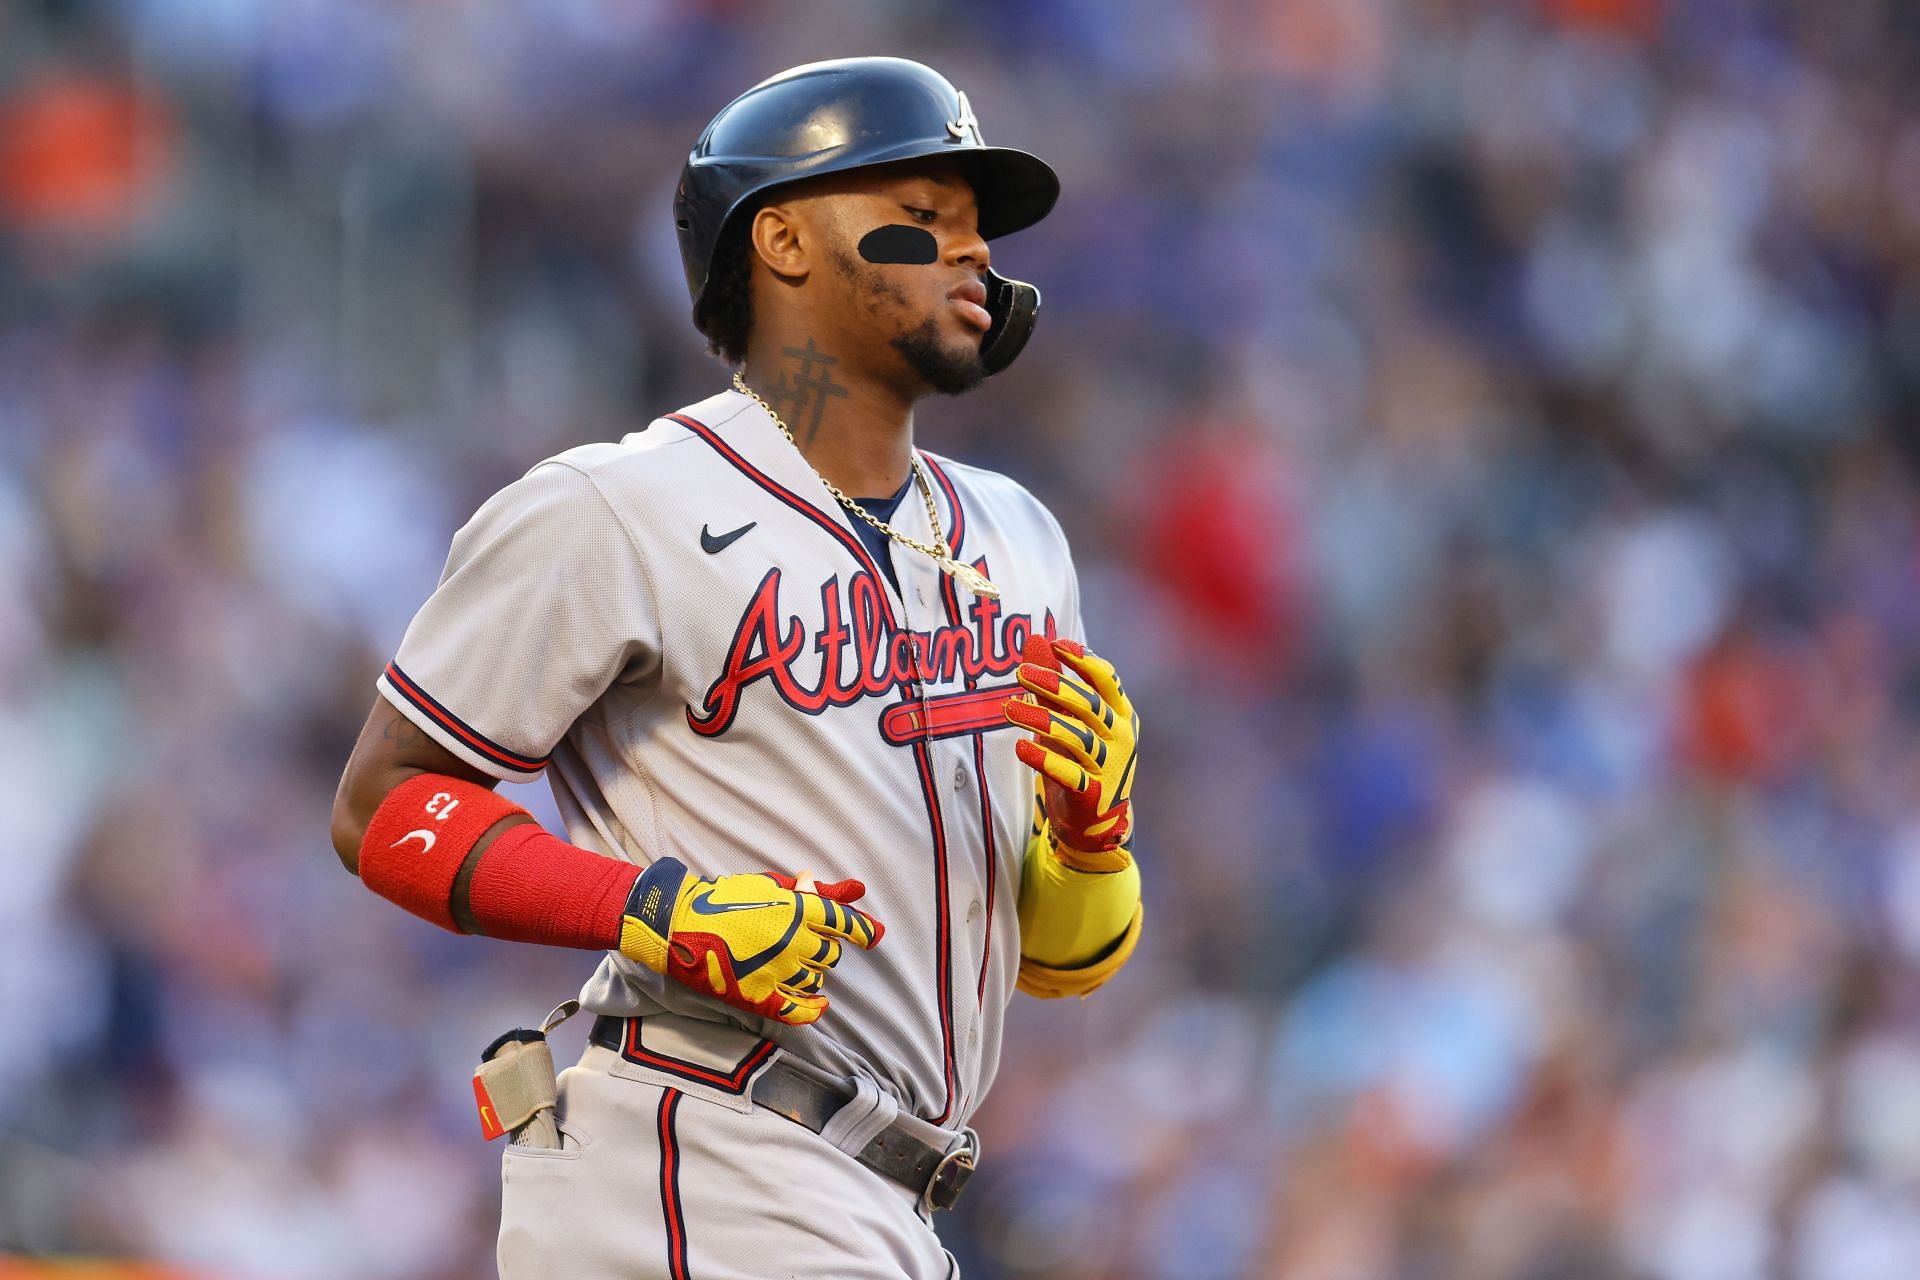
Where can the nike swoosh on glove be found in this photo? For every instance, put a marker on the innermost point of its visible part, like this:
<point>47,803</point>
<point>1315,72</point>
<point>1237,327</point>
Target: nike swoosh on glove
<point>757,942</point>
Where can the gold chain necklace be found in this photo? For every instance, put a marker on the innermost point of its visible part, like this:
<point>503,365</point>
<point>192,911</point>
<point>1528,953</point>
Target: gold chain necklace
<point>965,574</point>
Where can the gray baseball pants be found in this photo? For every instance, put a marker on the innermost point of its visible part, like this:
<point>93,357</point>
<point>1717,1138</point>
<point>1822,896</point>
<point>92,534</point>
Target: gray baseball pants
<point>660,1177</point>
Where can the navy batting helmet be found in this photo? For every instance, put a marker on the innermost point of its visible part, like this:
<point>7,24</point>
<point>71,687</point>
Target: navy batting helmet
<point>853,113</point>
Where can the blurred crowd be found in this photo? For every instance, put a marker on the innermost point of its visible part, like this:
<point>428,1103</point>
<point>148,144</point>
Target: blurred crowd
<point>1488,430</point>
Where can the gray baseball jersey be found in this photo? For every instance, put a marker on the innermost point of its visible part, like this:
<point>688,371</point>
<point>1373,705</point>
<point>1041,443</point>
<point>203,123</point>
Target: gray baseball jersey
<point>683,630</point>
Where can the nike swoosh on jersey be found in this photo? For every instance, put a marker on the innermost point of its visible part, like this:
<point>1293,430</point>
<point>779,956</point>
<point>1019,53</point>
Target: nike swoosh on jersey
<point>702,906</point>
<point>426,837</point>
<point>714,545</point>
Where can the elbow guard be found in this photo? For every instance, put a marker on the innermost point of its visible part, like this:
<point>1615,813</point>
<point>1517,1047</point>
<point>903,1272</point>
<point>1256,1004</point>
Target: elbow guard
<point>1051,984</point>
<point>1077,928</point>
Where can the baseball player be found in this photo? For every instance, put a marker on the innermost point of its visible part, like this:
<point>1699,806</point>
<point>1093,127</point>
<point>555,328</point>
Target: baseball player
<point>837,773</point>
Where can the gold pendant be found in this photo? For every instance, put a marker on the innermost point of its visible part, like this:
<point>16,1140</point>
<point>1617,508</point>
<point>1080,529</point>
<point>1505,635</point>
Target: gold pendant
<point>969,577</point>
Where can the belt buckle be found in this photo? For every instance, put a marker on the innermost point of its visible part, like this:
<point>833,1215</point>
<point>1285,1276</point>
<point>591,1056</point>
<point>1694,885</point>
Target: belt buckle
<point>949,1177</point>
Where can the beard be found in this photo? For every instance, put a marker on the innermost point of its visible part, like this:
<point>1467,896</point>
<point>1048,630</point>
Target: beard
<point>948,370</point>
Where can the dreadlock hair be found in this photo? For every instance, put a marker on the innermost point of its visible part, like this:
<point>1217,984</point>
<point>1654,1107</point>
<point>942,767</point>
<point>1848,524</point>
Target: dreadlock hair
<point>727,316</point>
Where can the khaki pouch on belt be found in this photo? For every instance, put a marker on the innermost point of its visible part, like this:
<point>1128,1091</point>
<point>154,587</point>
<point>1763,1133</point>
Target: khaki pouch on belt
<point>515,1087</point>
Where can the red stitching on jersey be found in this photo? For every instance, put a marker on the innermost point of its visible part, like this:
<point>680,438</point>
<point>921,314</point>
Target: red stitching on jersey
<point>770,644</point>
<point>733,1082</point>
<point>947,715</point>
<point>767,642</point>
<point>459,728</point>
<point>671,1210</point>
<point>979,737</point>
<point>993,862</point>
<point>943,941</point>
<point>951,597</point>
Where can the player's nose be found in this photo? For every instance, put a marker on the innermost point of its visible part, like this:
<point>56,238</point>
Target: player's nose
<point>965,248</point>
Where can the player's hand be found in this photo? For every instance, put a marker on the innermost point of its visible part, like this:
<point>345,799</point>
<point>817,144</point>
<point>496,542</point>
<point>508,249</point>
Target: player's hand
<point>758,942</point>
<point>1085,734</point>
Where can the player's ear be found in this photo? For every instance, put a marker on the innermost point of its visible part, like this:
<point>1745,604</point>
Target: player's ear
<point>781,240</point>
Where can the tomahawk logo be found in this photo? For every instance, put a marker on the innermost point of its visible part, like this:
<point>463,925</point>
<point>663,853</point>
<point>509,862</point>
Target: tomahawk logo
<point>966,125</point>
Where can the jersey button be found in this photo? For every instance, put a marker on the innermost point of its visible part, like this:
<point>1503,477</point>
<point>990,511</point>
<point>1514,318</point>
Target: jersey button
<point>959,777</point>
<point>973,911</point>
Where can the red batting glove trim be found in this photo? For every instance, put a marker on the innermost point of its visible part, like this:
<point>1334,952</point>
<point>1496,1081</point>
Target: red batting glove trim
<point>845,892</point>
<point>419,837</point>
<point>1027,715</point>
<point>1039,651</point>
<point>532,886</point>
<point>838,890</point>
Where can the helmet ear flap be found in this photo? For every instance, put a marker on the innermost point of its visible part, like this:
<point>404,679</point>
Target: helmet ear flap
<point>1014,306</point>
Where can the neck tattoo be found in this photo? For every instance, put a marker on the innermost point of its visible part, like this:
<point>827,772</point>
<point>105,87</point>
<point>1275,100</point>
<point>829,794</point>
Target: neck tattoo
<point>937,550</point>
<point>804,391</point>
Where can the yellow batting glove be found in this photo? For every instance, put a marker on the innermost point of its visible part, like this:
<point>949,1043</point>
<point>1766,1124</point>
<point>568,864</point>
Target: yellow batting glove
<point>1085,734</point>
<point>757,942</point>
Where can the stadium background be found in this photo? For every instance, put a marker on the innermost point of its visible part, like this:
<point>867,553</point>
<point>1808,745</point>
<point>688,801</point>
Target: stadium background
<point>1488,433</point>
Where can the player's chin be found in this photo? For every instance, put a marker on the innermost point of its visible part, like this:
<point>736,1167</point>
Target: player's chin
<point>947,361</point>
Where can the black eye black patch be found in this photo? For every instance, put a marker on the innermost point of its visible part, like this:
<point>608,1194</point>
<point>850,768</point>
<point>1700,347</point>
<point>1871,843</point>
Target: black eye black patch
<point>900,246</point>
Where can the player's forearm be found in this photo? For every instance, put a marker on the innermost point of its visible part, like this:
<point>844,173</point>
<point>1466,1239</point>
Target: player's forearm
<point>1072,918</point>
<point>390,751</point>
<point>352,816</point>
<point>460,902</point>
<point>359,799</point>
<point>457,855</point>
<point>423,851</point>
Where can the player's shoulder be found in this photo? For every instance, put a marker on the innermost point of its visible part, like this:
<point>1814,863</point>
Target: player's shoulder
<point>650,449</point>
<point>648,470</point>
<point>996,497</point>
<point>654,457</point>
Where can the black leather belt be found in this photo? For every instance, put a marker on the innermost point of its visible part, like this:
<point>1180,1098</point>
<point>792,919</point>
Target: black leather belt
<point>937,1174</point>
